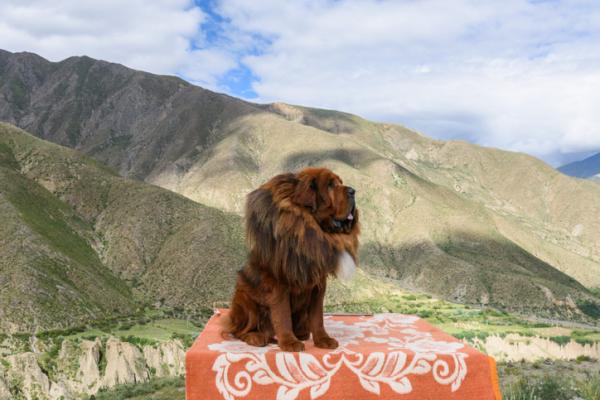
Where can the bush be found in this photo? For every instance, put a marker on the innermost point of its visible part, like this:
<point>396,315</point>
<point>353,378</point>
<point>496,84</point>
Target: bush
<point>555,388</point>
<point>138,341</point>
<point>128,391</point>
<point>61,332</point>
<point>549,388</point>
<point>186,339</point>
<point>561,340</point>
<point>583,341</point>
<point>590,308</point>
<point>470,335</point>
<point>583,358</point>
<point>125,326</point>
<point>540,325</point>
<point>590,389</point>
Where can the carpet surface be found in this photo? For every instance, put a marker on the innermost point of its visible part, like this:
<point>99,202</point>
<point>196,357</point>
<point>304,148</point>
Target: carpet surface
<point>381,356</point>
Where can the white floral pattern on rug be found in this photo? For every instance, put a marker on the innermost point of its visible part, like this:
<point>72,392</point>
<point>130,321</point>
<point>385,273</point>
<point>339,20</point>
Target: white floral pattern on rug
<point>294,372</point>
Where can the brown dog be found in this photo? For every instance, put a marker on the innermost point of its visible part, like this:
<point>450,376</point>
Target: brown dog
<point>300,228</point>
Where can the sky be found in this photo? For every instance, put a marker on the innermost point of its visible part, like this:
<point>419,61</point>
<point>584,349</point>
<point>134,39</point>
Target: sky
<point>515,74</point>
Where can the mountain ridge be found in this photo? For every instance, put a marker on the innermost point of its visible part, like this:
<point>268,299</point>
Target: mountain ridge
<point>588,168</point>
<point>471,224</point>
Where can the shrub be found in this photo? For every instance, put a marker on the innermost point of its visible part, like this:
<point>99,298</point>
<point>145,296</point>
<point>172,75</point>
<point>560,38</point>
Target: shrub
<point>540,325</point>
<point>470,335</point>
<point>122,392</point>
<point>590,308</point>
<point>138,341</point>
<point>590,389</point>
<point>561,340</point>
<point>186,339</point>
<point>583,341</point>
<point>549,388</point>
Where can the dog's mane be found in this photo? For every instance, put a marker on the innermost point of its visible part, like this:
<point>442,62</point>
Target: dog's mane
<point>288,240</point>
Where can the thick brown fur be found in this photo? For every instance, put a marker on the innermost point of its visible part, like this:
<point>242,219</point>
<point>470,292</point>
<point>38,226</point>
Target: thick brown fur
<point>297,227</point>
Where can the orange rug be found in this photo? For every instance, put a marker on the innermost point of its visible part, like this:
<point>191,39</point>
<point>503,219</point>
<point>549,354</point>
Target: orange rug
<point>382,356</point>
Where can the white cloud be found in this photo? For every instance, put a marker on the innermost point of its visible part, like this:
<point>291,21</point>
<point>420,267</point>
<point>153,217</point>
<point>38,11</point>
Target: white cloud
<point>155,35</point>
<point>514,74</point>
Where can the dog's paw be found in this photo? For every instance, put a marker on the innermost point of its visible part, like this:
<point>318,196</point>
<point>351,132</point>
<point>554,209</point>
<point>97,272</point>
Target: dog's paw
<point>256,339</point>
<point>326,342</point>
<point>292,345</point>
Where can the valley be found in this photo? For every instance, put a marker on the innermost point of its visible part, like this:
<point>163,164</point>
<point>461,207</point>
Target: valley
<point>121,205</point>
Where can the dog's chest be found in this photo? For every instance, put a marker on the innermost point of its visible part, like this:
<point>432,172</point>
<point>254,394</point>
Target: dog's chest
<point>346,266</point>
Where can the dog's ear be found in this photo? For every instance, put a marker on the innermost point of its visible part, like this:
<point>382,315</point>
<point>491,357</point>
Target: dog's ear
<point>306,193</point>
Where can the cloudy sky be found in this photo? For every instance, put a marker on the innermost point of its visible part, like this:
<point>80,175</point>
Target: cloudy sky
<point>515,74</point>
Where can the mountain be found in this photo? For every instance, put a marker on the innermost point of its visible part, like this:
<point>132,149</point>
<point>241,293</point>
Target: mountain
<point>588,168</point>
<point>471,224</point>
<point>80,243</point>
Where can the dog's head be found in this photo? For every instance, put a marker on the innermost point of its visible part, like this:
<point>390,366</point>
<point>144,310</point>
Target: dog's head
<point>330,202</point>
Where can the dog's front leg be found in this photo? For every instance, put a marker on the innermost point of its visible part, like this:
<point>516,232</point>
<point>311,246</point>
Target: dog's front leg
<point>281,318</point>
<point>320,337</point>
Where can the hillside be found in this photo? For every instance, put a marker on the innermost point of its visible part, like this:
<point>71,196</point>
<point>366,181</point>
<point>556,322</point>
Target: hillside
<point>80,243</point>
<point>588,168</point>
<point>470,224</point>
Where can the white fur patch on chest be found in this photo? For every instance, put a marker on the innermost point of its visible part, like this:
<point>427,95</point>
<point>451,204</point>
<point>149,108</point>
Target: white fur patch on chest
<point>346,267</point>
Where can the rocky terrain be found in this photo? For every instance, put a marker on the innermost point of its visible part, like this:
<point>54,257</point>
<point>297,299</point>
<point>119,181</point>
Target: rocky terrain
<point>83,367</point>
<point>515,347</point>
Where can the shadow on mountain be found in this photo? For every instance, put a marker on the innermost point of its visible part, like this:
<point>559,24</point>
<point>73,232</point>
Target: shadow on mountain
<point>354,158</point>
<point>478,270</point>
<point>330,121</point>
<point>326,120</point>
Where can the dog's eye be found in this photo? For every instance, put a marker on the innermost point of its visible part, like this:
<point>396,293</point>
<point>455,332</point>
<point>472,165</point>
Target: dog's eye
<point>331,184</point>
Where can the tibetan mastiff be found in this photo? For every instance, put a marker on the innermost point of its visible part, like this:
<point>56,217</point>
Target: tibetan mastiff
<point>301,228</point>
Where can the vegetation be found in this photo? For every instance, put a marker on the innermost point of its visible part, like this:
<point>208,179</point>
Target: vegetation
<point>590,308</point>
<point>56,207</point>
<point>156,389</point>
<point>555,388</point>
<point>468,323</point>
<point>460,320</point>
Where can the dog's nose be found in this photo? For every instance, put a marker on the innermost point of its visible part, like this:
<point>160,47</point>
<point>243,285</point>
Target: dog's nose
<point>351,191</point>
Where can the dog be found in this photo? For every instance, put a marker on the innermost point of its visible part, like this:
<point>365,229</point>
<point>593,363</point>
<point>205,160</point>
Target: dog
<point>300,228</point>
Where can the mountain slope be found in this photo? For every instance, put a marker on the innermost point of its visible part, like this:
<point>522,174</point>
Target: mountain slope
<point>588,168</point>
<point>80,243</point>
<point>135,122</point>
<point>468,223</point>
<point>50,275</point>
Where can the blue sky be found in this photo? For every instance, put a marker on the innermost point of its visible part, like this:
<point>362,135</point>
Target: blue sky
<point>516,74</point>
<point>238,80</point>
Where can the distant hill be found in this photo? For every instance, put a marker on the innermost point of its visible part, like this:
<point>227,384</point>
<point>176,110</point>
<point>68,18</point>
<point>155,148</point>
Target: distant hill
<point>588,168</point>
<point>471,224</point>
<point>79,243</point>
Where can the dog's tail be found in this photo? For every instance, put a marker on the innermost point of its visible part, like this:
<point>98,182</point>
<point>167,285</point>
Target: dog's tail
<point>242,317</point>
